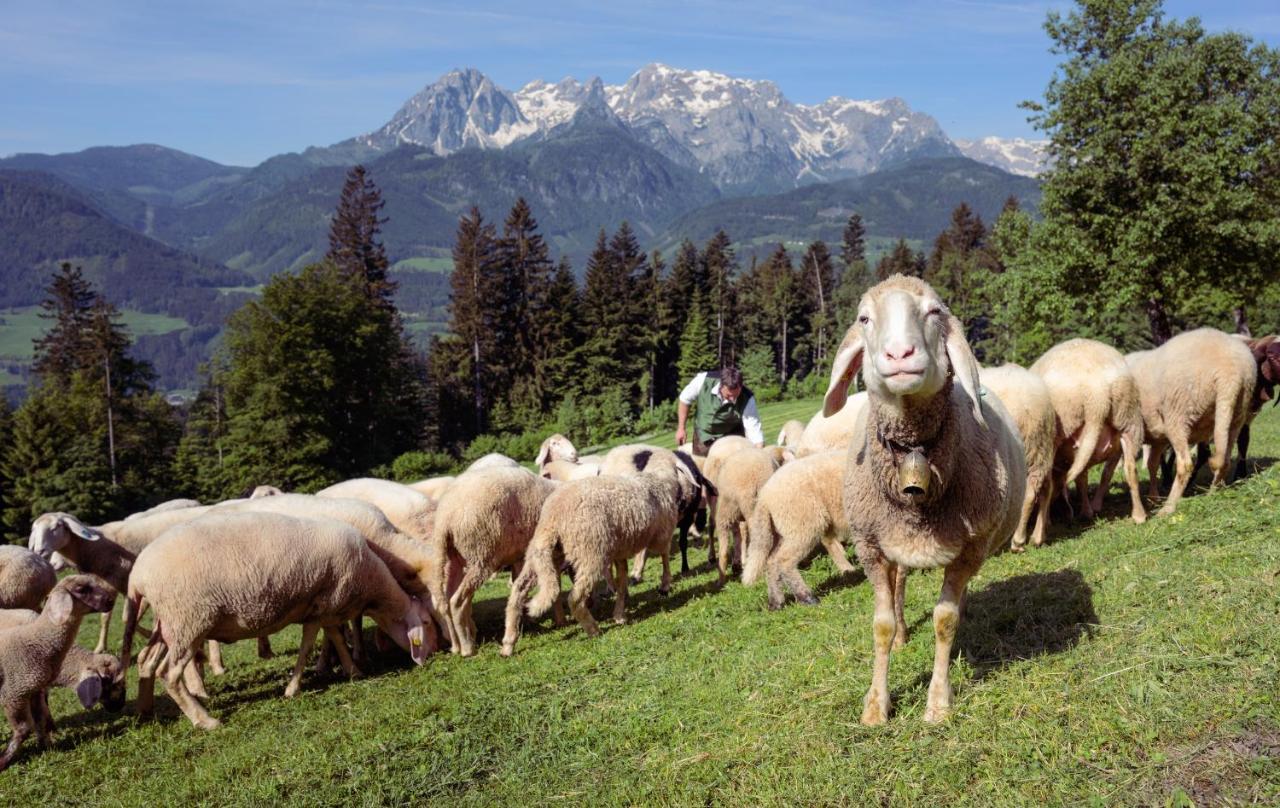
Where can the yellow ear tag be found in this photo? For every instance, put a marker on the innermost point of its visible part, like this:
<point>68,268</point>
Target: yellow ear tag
<point>416,642</point>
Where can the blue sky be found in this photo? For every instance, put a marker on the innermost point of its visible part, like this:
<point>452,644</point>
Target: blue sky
<point>240,80</point>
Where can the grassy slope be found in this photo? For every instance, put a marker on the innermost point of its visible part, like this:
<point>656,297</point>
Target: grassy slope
<point>1117,665</point>
<point>18,327</point>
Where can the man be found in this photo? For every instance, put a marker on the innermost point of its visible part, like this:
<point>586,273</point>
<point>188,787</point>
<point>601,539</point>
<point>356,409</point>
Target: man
<point>724,407</point>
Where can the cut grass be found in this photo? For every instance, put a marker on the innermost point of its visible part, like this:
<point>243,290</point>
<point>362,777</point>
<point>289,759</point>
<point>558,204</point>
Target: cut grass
<point>1117,665</point>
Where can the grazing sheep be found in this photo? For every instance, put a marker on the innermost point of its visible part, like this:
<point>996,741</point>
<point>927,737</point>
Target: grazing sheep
<point>31,656</point>
<point>717,455</point>
<point>1099,415</point>
<point>493,460</point>
<point>232,576</point>
<point>484,524</point>
<point>25,578</point>
<point>938,477</point>
<point>1196,387</point>
<point>1027,400</point>
<point>800,506</point>
<point>633,458</point>
<point>595,524</point>
<point>411,512</point>
<point>563,470</point>
<point>789,435</point>
<point>87,673</point>
<point>171,505</point>
<point>556,447</point>
<point>826,432</point>
<point>738,487</point>
<point>434,487</point>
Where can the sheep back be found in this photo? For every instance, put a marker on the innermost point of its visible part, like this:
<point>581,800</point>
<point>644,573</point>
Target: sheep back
<point>25,578</point>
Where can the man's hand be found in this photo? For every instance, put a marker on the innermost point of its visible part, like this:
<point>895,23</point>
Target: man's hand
<point>680,435</point>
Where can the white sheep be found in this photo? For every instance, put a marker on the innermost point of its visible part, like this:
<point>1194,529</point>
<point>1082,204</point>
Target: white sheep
<point>265,491</point>
<point>433,487</point>
<point>789,435</point>
<point>25,578</point>
<point>826,432</point>
<point>556,447</point>
<point>595,524</point>
<point>411,512</point>
<point>798,508</point>
<point>170,505</point>
<point>493,460</point>
<point>717,456</point>
<point>87,673</point>
<point>484,524</point>
<point>563,470</point>
<point>232,576</point>
<point>938,477</point>
<point>31,656</point>
<point>738,487</point>
<point>1099,415</point>
<point>1026,397</point>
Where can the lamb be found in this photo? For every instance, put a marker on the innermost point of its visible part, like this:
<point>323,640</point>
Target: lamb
<point>800,506</point>
<point>1027,399</point>
<point>825,432</point>
<point>433,487</point>
<point>789,435</point>
<point>739,485</point>
<point>1095,399</point>
<point>493,460</point>
<point>594,524</point>
<point>87,673</point>
<point>1198,386</point>
<point>563,470</point>
<point>633,458</point>
<point>31,656</point>
<point>171,505</point>
<point>937,478</point>
<point>484,524</point>
<point>556,447</point>
<point>25,578</point>
<point>232,576</point>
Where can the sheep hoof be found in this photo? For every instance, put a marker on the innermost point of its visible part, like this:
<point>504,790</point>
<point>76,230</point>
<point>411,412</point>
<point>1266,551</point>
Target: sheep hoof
<point>664,591</point>
<point>619,621</point>
<point>1018,548</point>
<point>899,640</point>
<point>807,600</point>
<point>208,723</point>
<point>936,713</point>
<point>217,670</point>
<point>507,650</point>
<point>291,691</point>
<point>1165,511</point>
<point>875,709</point>
<point>737,570</point>
<point>635,579</point>
<point>1140,518</point>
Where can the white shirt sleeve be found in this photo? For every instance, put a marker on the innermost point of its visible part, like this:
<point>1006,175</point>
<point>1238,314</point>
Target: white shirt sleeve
<point>751,423</point>
<point>690,393</point>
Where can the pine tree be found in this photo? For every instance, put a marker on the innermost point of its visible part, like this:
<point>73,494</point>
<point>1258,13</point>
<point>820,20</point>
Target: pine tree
<point>719,265</point>
<point>200,465</point>
<point>854,242</point>
<point>560,332</point>
<point>524,268</point>
<point>607,316</point>
<point>696,353</point>
<point>69,304</point>
<point>472,315</point>
<point>779,297</point>
<point>353,236</point>
<point>652,324</point>
<point>901,260</point>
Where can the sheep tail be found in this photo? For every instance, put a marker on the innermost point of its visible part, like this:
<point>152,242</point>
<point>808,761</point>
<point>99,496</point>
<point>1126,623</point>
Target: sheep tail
<point>540,561</point>
<point>763,539</point>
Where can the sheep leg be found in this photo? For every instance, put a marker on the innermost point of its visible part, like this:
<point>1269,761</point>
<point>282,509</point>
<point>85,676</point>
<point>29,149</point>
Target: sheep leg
<point>1082,491</point>
<point>179,658</point>
<point>193,677</point>
<point>1104,482</point>
<point>582,586</point>
<point>1129,444</point>
<point>42,718</point>
<point>790,575</point>
<point>149,661</point>
<point>214,652</point>
<point>620,601</point>
<point>1042,516</point>
<point>1224,437</point>
<point>664,586</point>
<point>773,580</point>
<point>264,648</point>
<point>1182,472</point>
<point>637,566</point>
<point>520,587</point>
<point>358,652</point>
<point>727,533</point>
<point>875,705</point>
<point>899,607</point>
<point>340,648</point>
<point>464,625</point>
<point>309,631</point>
<point>684,549</point>
<point>1153,453</point>
<point>1019,541</point>
<point>21,722</point>
<point>1242,454</point>
<point>103,626</point>
<point>453,578</point>
<point>838,555</point>
<point>946,619</point>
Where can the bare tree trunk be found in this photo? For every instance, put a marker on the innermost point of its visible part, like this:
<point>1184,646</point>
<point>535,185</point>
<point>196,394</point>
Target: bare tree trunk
<point>111,426</point>
<point>1161,330</point>
<point>1242,321</point>
<point>475,376</point>
<point>822,313</point>
<point>784,350</point>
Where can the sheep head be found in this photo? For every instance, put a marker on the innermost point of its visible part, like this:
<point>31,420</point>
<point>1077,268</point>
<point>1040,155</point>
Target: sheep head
<point>556,447</point>
<point>907,344</point>
<point>52,532</point>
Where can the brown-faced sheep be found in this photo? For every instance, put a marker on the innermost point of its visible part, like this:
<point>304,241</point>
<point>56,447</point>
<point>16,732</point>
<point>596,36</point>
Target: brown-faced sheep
<point>87,673</point>
<point>936,479</point>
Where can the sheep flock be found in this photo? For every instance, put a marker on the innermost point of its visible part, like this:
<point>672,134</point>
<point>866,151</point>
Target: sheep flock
<point>938,462</point>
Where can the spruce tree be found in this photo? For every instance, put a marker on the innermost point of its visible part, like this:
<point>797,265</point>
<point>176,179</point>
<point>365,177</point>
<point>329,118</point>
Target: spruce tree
<point>696,352</point>
<point>853,245</point>
<point>901,260</point>
<point>607,310</point>
<point>353,236</point>
<point>524,271</point>
<point>719,265</point>
<point>653,326</point>
<point>560,334</point>
<point>472,314</point>
<point>69,304</point>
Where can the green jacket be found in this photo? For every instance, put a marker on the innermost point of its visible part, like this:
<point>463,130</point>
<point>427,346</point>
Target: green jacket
<point>715,417</point>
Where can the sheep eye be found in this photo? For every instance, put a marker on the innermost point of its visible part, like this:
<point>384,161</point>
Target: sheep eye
<point>864,319</point>
<point>933,310</point>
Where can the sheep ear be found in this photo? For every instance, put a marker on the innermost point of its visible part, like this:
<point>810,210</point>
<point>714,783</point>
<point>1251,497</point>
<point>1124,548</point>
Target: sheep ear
<point>59,606</point>
<point>964,364</point>
<point>89,690</point>
<point>846,365</point>
<point>78,528</point>
<point>542,455</point>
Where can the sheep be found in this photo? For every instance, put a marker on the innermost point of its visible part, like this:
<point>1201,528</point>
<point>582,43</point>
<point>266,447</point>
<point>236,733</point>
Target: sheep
<point>800,506</point>
<point>484,524</point>
<point>825,432</point>
<point>232,576</point>
<point>563,470</point>
<point>493,460</point>
<point>85,672</point>
<point>413,564</point>
<point>1026,397</point>
<point>171,505</point>
<point>265,491</point>
<point>556,447</point>
<point>938,476</point>
<point>1095,399</point>
<point>25,578</point>
<point>789,435</point>
<point>31,656</point>
<point>717,455</point>
<point>411,512</point>
<point>1195,387</point>
<point>738,487</point>
<point>632,458</point>
<point>596,523</point>
<point>433,487</point>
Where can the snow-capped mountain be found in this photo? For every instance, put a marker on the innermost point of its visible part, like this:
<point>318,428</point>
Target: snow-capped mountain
<point>744,134</point>
<point>1015,155</point>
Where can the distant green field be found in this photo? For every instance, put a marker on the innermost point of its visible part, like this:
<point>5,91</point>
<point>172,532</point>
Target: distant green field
<point>424,264</point>
<point>8,378</point>
<point>20,327</point>
<point>256,289</point>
